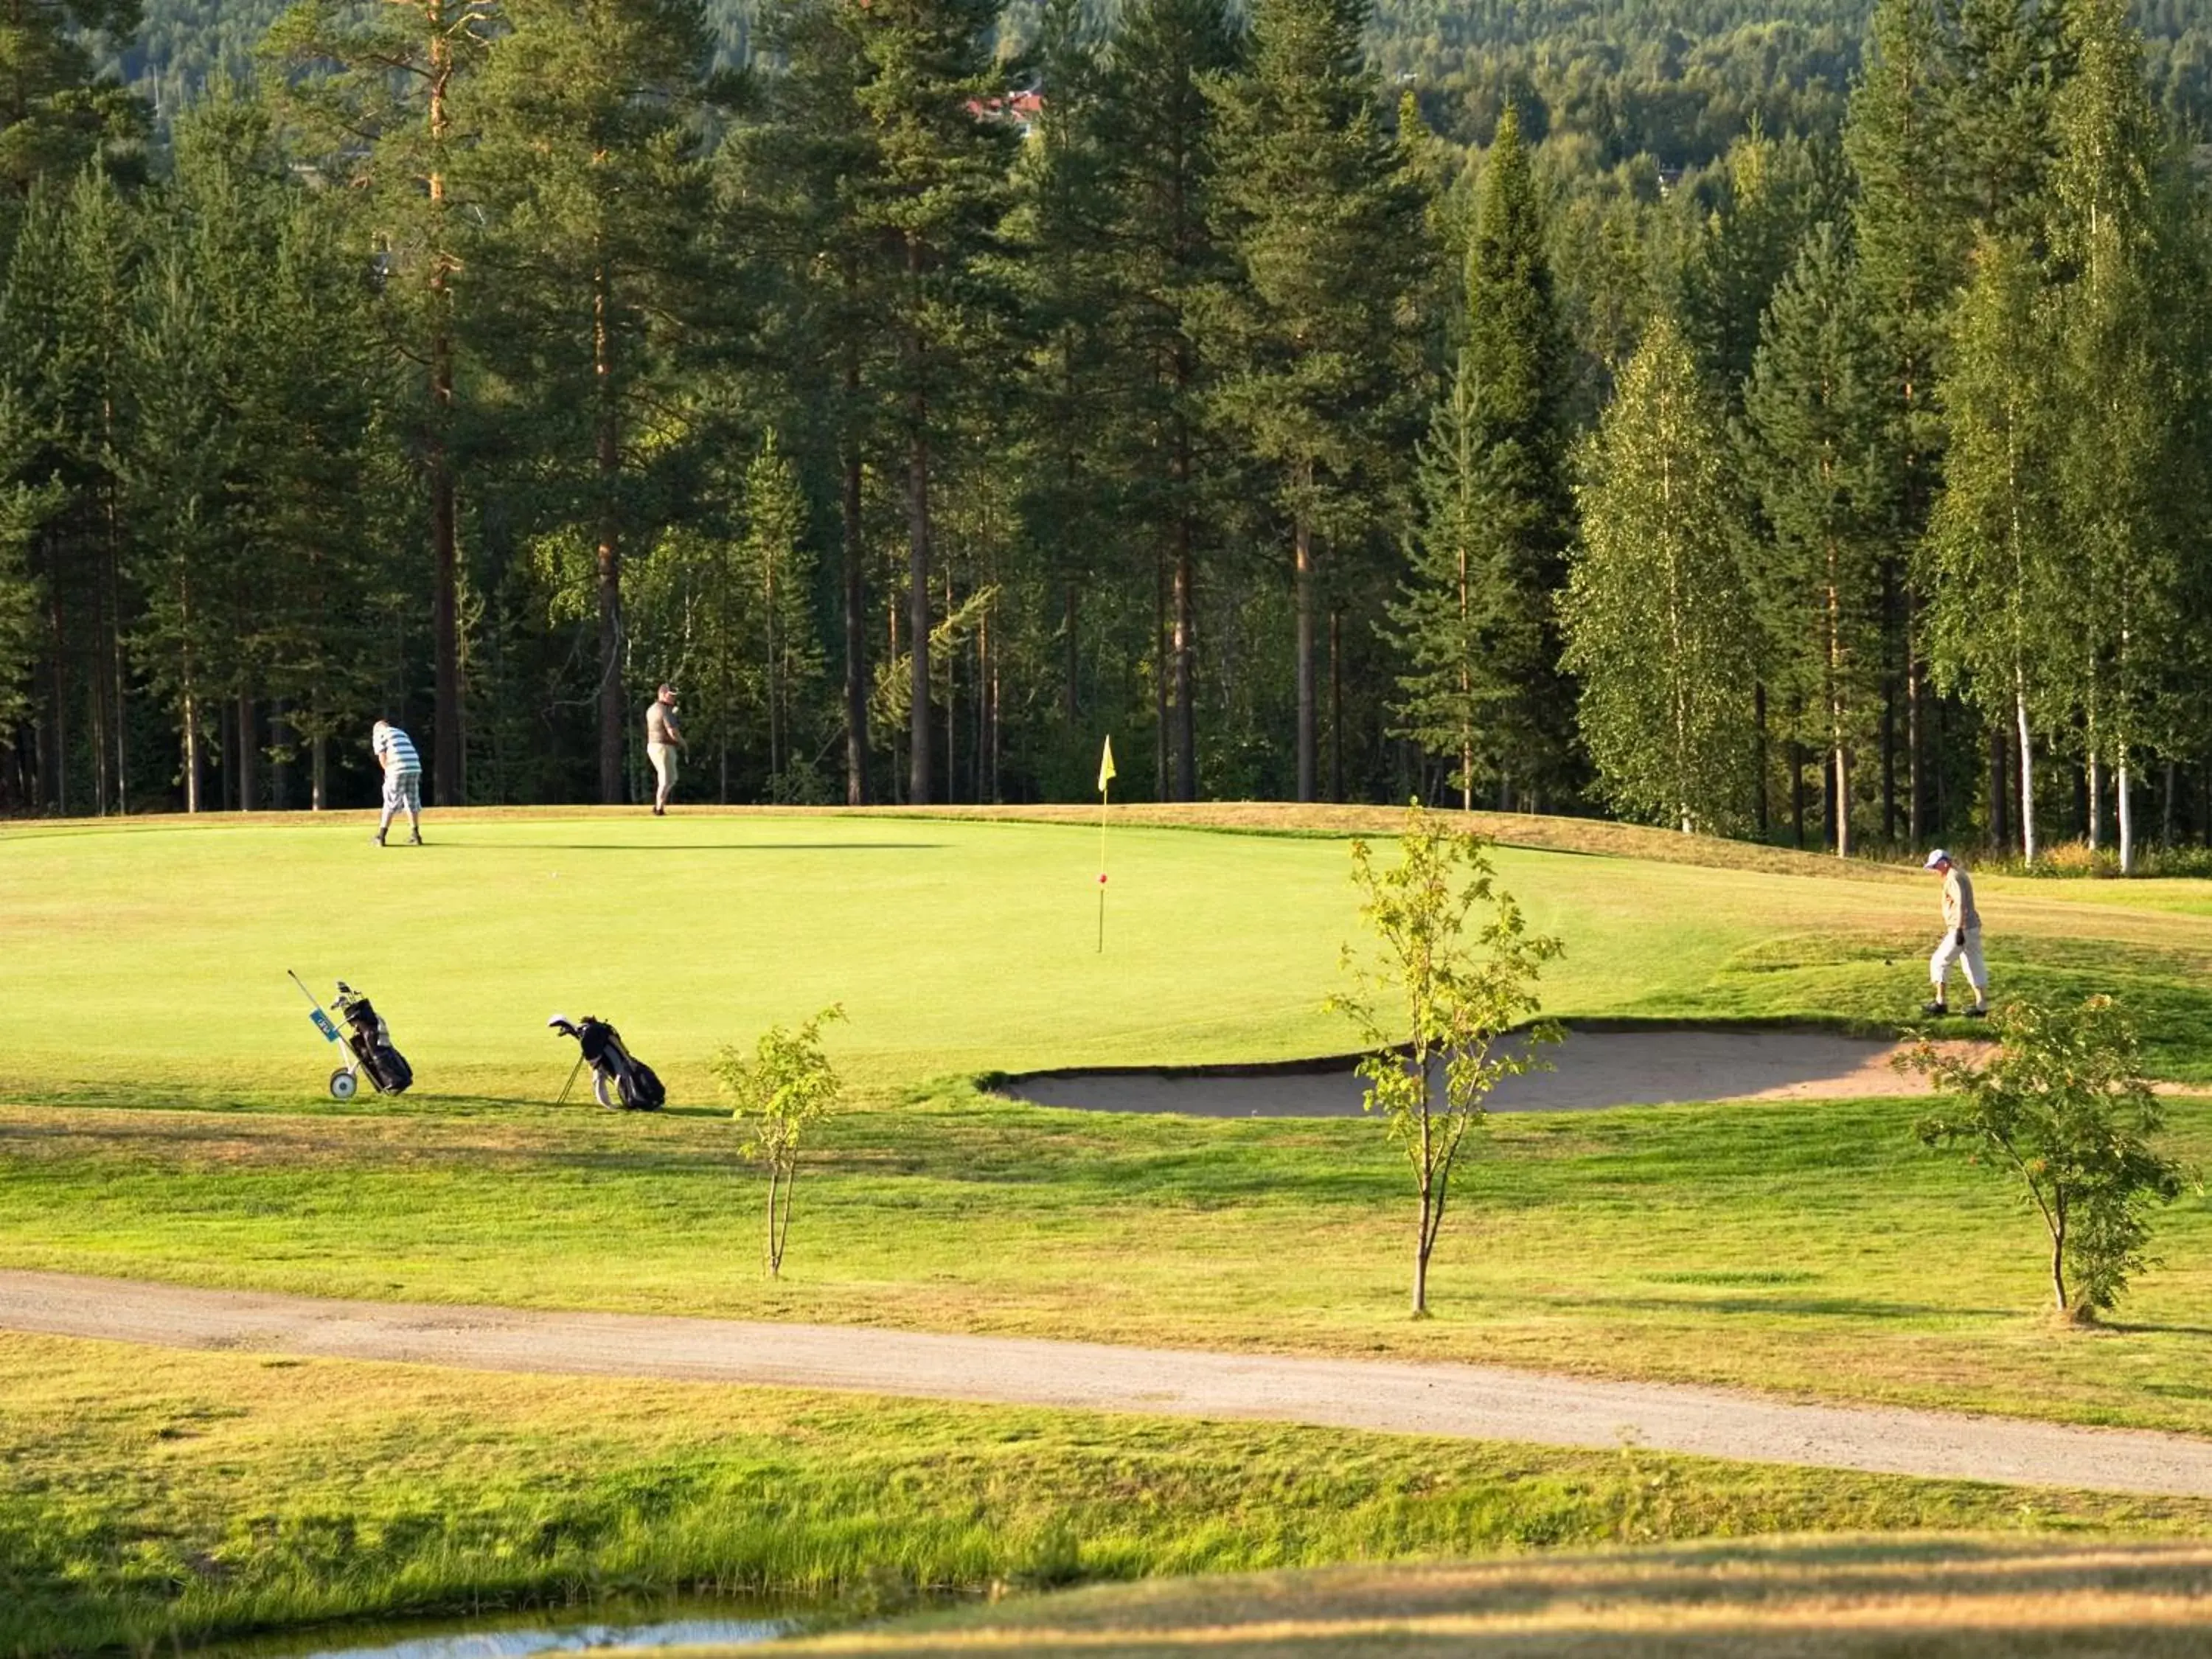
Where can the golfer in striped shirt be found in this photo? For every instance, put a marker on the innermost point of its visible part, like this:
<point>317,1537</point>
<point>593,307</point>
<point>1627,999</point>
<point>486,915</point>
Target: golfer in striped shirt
<point>403,780</point>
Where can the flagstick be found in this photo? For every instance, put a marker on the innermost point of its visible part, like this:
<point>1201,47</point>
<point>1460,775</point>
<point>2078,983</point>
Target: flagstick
<point>1102,870</point>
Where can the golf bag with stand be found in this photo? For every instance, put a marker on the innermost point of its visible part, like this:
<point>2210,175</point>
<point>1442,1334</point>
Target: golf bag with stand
<point>619,1079</point>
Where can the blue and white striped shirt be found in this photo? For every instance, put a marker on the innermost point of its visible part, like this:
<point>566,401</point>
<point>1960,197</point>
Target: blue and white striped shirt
<point>393,747</point>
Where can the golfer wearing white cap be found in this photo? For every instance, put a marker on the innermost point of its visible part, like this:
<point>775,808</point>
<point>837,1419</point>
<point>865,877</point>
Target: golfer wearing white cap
<point>663,737</point>
<point>1962,938</point>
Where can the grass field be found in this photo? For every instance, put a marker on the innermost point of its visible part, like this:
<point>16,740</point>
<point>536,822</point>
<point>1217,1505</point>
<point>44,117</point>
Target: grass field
<point>161,1115</point>
<point>148,960</point>
<point>146,1499</point>
<point>1933,1598</point>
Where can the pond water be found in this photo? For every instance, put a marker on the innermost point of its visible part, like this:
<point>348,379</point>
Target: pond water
<point>515,1635</point>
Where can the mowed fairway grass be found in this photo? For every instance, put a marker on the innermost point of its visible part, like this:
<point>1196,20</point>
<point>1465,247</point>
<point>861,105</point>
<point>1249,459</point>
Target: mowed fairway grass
<point>161,1115</point>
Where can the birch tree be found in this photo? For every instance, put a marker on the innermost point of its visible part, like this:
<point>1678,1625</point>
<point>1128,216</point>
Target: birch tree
<point>1655,611</point>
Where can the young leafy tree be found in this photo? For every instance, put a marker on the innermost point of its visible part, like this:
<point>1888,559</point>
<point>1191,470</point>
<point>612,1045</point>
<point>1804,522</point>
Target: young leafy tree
<point>1655,611</point>
<point>786,1088</point>
<point>1315,197</point>
<point>2066,1107</point>
<point>1457,970</point>
<point>1812,429</point>
<point>1999,615</point>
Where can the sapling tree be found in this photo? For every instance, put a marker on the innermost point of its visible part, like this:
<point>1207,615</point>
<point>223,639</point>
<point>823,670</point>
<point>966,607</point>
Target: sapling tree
<point>782,1092</point>
<point>1457,970</point>
<point>2066,1107</point>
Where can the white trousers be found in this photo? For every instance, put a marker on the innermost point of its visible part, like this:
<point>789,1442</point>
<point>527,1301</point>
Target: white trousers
<point>1968,955</point>
<point>663,757</point>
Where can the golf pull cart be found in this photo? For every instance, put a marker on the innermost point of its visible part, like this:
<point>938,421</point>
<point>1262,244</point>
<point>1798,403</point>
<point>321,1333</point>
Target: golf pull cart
<point>365,1037</point>
<point>620,1081</point>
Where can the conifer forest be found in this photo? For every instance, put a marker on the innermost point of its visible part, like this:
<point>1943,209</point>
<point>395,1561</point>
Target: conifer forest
<point>1781,420</point>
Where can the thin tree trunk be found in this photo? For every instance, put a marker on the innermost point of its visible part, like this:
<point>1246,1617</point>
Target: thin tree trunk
<point>1758,756</point>
<point>1915,791</point>
<point>608,449</point>
<point>1163,721</point>
<point>856,619</point>
<point>249,790</point>
<point>2166,809</point>
<point>445,605</point>
<point>319,773</point>
<point>917,517</point>
<point>192,747</point>
<point>1335,704</point>
<point>2095,816</point>
<point>2026,775</point>
<point>1186,716</point>
<point>2000,808</point>
<point>1071,665</point>
<point>952,703</point>
<point>2125,811</point>
<point>1303,536</point>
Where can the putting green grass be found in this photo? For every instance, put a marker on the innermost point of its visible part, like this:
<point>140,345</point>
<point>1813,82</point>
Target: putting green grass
<point>147,1499</point>
<point>145,961</point>
<point>1809,1247</point>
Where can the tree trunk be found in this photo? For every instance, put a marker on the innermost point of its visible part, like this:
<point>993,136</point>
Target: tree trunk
<point>1303,577</point>
<point>1163,720</point>
<point>1916,792</point>
<point>2094,817</point>
<point>1071,665</point>
<point>191,747</point>
<point>917,520</point>
<point>1758,756</point>
<point>2165,808</point>
<point>2125,811</point>
<point>1186,717</point>
<point>2026,776</point>
<point>1796,795</point>
<point>856,620</point>
<point>249,790</point>
<point>1335,704</point>
<point>608,449</point>
<point>2000,810</point>
<point>319,751</point>
<point>445,601</point>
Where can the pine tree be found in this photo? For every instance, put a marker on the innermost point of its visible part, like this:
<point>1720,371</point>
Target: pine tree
<point>1315,197</point>
<point>1655,611</point>
<point>821,276</point>
<point>594,115</point>
<point>57,112</point>
<point>1814,411</point>
<point>1157,124</point>
<point>1516,356</point>
<point>382,98</point>
<point>932,99</point>
<point>1998,601</point>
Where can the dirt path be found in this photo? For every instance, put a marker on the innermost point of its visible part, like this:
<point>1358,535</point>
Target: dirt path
<point>1475,1402</point>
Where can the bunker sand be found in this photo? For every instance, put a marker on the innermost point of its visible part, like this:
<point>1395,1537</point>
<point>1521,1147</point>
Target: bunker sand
<point>1595,1068</point>
<point>1469,1401</point>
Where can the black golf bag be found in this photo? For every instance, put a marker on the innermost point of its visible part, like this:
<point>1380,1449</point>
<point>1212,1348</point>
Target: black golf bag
<point>370,1040</point>
<point>619,1079</point>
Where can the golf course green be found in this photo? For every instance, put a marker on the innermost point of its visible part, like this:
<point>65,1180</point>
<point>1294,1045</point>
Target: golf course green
<point>163,1116</point>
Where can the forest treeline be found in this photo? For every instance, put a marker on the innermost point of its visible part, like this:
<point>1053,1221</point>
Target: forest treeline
<point>926,407</point>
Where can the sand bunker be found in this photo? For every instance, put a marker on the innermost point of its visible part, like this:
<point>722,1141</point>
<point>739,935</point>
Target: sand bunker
<point>1593,1068</point>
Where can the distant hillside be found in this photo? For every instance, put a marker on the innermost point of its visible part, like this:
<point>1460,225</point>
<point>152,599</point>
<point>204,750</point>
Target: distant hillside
<point>1676,79</point>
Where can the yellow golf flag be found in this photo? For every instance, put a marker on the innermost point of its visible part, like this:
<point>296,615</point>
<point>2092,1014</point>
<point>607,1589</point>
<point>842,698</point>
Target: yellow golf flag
<point>1106,774</point>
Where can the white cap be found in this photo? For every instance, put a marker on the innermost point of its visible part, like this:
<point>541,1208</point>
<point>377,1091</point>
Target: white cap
<point>1939,856</point>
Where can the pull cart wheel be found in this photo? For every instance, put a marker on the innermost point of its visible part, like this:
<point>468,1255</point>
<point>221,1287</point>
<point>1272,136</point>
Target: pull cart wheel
<point>344,1085</point>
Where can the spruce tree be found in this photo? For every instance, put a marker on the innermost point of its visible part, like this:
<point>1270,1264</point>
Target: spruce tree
<point>1516,359</point>
<point>1655,611</point>
<point>1814,416</point>
<point>58,111</point>
<point>780,565</point>
<point>1313,195</point>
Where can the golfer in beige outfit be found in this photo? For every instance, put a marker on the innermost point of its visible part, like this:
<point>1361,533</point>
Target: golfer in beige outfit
<point>1962,938</point>
<point>663,737</point>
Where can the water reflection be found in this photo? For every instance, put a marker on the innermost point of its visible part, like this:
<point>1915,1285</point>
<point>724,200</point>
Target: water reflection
<point>516,1636</point>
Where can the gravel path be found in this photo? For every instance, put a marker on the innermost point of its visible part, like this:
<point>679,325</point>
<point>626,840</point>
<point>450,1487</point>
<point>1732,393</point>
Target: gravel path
<point>1475,1402</point>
